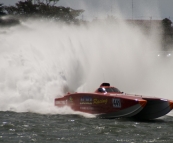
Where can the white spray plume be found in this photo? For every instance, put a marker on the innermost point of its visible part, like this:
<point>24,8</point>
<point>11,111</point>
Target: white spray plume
<point>41,60</point>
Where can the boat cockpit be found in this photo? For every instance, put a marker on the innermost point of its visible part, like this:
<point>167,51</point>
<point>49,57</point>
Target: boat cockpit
<point>108,90</point>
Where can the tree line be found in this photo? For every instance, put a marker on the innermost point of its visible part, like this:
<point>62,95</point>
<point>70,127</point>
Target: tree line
<point>41,9</point>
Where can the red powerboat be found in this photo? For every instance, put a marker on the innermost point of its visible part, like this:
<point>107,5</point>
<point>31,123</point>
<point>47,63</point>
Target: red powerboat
<point>110,102</point>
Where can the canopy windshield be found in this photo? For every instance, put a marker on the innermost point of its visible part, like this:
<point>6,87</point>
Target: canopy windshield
<point>110,89</point>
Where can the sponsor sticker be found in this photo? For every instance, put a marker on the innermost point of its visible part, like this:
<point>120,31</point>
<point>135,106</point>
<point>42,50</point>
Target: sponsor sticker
<point>86,100</point>
<point>87,108</point>
<point>116,102</point>
<point>100,101</point>
<point>70,99</point>
<point>60,102</point>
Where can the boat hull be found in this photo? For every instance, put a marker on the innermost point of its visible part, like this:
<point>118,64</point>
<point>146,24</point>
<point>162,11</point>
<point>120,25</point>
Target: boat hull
<point>103,105</point>
<point>109,102</point>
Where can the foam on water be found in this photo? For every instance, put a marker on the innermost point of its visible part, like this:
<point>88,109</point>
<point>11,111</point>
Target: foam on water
<point>41,60</point>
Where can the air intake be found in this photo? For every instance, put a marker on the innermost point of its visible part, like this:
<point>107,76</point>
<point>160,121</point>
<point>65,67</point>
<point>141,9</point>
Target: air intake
<point>105,84</point>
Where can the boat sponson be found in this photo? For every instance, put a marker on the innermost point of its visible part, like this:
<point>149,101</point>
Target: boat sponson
<point>154,109</point>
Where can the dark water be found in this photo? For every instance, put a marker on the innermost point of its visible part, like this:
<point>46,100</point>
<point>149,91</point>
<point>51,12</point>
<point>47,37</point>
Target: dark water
<point>30,127</point>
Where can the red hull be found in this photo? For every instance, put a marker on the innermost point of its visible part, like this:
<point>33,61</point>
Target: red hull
<point>108,105</point>
<point>109,102</point>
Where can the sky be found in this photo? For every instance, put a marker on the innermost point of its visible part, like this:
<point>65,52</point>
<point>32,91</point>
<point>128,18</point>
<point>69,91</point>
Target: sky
<point>142,9</point>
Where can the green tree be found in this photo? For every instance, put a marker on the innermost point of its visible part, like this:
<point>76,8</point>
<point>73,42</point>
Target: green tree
<point>167,33</point>
<point>53,2</point>
<point>2,9</point>
<point>167,25</point>
<point>44,8</point>
<point>48,2</point>
<point>22,8</point>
